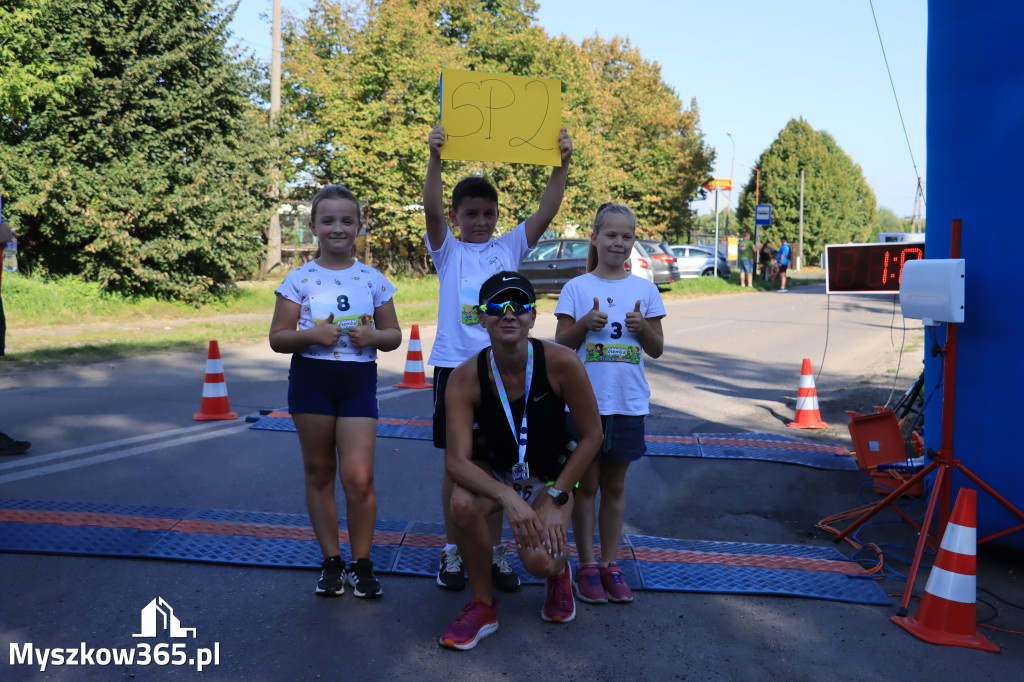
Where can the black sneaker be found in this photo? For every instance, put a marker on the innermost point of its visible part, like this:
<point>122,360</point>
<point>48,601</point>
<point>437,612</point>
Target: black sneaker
<point>364,583</point>
<point>332,578</point>
<point>502,576</point>
<point>9,446</point>
<point>450,574</point>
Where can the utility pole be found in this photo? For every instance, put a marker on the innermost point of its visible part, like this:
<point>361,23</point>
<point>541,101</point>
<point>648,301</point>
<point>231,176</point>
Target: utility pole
<point>274,229</point>
<point>800,248</point>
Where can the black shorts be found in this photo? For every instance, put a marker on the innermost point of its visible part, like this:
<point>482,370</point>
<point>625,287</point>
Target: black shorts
<point>441,375</point>
<point>783,268</point>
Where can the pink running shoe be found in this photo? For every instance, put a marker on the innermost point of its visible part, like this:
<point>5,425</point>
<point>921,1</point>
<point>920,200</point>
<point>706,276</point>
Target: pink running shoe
<point>615,584</point>
<point>559,606</point>
<point>476,621</point>
<point>587,585</point>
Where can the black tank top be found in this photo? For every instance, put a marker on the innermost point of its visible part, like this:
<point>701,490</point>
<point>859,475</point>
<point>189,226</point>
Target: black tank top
<point>546,430</point>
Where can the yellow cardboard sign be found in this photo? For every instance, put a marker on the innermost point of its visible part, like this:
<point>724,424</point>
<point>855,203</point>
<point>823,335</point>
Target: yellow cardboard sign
<point>500,117</point>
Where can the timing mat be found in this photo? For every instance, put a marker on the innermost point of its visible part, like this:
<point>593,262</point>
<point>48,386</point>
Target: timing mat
<point>767,447</point>
<point>412,548</point>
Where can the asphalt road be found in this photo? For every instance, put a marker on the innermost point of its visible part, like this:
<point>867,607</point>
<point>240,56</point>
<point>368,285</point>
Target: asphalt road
<point>122,432</point>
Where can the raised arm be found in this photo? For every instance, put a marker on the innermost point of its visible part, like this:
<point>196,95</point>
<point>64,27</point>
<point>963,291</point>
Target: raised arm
<point>433,193</point>
<point>551,200</point>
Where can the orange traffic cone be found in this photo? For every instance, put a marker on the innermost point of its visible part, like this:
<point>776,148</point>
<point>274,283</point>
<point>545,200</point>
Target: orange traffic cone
<point>215,403</point>
<point>807,414</point>
<point>947,614</point>
<point>414,376</point>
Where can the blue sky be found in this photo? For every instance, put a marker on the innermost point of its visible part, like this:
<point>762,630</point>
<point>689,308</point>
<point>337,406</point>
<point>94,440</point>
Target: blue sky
<point>755,64</point>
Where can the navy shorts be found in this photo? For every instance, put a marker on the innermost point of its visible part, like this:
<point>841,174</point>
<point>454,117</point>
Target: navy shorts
<point>333,387</point>
<point>441,375</point>
<point>623,437</point>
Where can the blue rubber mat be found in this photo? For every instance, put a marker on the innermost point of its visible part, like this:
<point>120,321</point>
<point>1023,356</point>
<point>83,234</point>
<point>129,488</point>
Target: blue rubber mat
<point>412,548</point>
<point>766,447</point>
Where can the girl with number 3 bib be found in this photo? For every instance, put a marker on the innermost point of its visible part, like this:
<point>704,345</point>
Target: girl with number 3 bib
<point>611,318</point>
<point>333,314</point>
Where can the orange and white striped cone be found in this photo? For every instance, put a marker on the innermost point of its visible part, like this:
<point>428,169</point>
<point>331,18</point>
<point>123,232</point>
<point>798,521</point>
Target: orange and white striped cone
<point>947,614</point>
<point>215,403</point>
<point>414,376</point>
<point>807,414</point>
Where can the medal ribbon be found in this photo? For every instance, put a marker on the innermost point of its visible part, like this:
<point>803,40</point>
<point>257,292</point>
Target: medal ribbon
<point>521,431</point>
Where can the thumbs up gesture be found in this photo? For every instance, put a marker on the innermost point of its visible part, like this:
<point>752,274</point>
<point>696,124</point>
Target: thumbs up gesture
<point>326,332</point>
<point>595,320</point>
<point>362,335</point>
<point>635,319</point>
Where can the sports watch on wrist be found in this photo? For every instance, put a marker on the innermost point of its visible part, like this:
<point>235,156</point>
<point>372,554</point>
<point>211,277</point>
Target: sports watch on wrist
<point>560,496</point>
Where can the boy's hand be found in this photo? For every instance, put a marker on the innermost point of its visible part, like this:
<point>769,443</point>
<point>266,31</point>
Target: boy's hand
<point>6,232</point>
<point>564,145</point>
<point>435,140</point>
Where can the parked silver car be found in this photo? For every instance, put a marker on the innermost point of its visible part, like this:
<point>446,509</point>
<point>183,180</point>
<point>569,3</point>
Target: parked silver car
<point>699,261</point>
<point>663,261</point>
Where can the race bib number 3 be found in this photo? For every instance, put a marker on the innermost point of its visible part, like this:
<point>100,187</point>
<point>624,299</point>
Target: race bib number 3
<point>600,352</point>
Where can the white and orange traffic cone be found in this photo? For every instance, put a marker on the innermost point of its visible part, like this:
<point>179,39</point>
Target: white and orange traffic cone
<point>807,414</point>
<point>215,403</point>
<point>414,376</point>
<point>947,614</point>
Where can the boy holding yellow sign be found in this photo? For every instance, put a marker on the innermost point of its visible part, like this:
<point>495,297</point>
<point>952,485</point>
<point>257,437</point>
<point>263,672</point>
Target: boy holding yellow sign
<point>462,266</point>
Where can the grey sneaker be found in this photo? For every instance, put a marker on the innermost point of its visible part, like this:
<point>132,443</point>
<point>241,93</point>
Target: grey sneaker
<point>450,574</point>
<point>502,576</point>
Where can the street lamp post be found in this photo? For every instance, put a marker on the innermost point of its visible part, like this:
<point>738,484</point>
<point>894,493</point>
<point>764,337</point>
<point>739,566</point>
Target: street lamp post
<point>757,182</point>
<point>732,175</point>
<point>757,200</point>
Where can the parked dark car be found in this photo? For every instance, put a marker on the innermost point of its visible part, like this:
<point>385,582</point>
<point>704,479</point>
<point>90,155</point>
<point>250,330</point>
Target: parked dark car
<point>663,261</point>
<point>699,261</point>
<point>553,262</point>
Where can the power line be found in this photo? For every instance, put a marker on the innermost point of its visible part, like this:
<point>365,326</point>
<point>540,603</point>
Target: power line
<point>895,97</point>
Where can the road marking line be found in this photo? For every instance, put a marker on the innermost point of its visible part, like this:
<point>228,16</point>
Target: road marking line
<point>119,454</point>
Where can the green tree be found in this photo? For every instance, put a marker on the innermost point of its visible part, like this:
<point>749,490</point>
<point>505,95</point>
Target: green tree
<point>361,88</point>
<point>146,170</point>
<point>839,206</point>
<point>886,221</point>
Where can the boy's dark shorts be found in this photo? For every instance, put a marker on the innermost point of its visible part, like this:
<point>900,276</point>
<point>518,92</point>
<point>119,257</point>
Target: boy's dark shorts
<point>441,375</point>
<point>623,437</point>
<point>783,268</point>
<point>335,388</point>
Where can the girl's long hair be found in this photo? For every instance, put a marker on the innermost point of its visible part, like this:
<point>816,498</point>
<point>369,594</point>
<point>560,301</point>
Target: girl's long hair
<point>603,211</point>
<point>333,192</point>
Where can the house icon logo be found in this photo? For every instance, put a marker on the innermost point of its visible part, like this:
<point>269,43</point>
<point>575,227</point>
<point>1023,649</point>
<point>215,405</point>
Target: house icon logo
<point>158,615</point>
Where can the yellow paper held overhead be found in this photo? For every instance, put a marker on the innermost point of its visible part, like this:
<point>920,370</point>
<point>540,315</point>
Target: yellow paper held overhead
<point>500,117</point>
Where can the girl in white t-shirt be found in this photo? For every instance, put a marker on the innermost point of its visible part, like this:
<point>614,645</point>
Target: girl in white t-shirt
<point>611,318</point>
<point>333,314</point>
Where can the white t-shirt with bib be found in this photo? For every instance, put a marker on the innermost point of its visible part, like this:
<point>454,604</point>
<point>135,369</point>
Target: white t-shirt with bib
<point>350,293</point>
<point>461,268</point>
<point>613,356</point>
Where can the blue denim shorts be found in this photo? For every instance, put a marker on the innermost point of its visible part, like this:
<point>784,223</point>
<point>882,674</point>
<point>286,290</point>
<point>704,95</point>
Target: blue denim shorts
<point>746,265</point>
<point>623,437</point>
<point>333,387</point>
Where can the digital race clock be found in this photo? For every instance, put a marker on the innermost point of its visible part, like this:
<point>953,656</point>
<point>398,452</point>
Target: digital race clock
<point>868,268</point>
